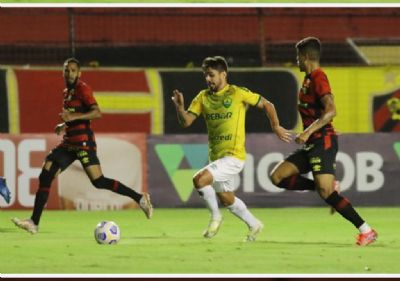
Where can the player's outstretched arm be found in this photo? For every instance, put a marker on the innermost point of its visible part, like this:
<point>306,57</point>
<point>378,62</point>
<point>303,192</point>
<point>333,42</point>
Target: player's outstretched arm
<point>270,111</point>
<point>93,113</point>
<point>326,117</point>
<point>185,118</point>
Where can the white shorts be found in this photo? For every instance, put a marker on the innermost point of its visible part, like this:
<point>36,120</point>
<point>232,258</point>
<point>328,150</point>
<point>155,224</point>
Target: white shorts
<point>223,171</point>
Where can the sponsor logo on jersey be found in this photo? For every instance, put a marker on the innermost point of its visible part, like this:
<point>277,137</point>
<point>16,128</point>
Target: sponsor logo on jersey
<point>218,116</point>
<point>221,138</point>
<point>227,102</point>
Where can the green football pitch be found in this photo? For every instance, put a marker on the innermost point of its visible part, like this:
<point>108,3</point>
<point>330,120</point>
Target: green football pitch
<point>294,241</point>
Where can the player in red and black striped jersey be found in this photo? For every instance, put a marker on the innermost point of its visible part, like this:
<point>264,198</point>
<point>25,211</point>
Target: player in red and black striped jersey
<point>78,133</point>
<point>79,108</point>
<point>319,140</point>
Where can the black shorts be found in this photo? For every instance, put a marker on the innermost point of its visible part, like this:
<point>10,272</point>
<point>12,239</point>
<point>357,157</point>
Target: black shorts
<point>64,156</point>
<point>317,156</point>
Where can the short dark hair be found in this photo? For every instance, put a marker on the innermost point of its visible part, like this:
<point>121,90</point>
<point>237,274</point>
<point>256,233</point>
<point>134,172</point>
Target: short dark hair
<point>218,63</point>
<point>310,46</point>
<point>73,60</point>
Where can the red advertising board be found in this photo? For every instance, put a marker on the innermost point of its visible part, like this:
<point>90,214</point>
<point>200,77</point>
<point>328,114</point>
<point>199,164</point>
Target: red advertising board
<point>126,97</point>
<point>122,156</point>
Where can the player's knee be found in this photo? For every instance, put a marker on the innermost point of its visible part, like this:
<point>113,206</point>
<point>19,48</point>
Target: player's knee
<point>202,178</point>
<point>226,199</point>
<point>198,181</point>
<point>324,192</point>
<point>275,178</point>
<point>226,202</point>
<point>47,176</point>
<point>102,183</point>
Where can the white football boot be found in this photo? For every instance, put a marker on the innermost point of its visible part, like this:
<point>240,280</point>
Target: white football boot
<point>145,205</point>
<point>212,228</point>
<point>26,224</point>
<point>254,231</point>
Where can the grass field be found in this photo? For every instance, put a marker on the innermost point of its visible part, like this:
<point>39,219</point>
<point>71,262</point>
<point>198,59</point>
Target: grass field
<point>294,241</point>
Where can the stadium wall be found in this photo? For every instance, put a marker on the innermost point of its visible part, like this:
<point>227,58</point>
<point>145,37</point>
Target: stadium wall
<point>137,100</point>
<point>367,168</point>
<point>146,26</point>
<point>123,156</point>
<point>144,37</point>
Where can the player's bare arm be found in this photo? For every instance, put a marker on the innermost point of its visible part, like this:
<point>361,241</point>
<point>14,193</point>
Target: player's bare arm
<point>185,118</point>
<point>270,111</point>
<point>94,113</point>
<point>327,115</point>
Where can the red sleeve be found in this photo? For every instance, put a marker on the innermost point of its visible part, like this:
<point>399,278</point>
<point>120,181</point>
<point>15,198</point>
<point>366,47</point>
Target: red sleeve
<point>87,96</point>
<point>322,86</point>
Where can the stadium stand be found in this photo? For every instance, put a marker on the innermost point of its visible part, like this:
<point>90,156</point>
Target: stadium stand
<point>183,36</point>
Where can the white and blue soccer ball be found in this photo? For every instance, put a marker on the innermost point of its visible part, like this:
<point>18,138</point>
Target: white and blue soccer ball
<point>107,232</point>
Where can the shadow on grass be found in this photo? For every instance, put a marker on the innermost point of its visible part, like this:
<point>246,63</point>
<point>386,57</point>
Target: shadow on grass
<point>8,230</point>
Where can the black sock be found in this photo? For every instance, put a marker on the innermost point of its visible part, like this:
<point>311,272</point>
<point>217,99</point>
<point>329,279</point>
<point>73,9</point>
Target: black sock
<point>120,188</point>
<point>343,207</point>
<point>297,183</point>
<point>117,187</point>
<point>40,201</point>
<point>42,195</point>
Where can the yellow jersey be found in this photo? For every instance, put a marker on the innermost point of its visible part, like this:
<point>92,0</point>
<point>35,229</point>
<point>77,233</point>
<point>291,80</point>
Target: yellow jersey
<point>225,115</point>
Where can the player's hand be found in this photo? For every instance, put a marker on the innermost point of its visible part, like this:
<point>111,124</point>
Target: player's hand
<point>60,128</point>
<point>177,98</point>
<point>283,134</point>
<point>302,138</point>
<point>66,115</point>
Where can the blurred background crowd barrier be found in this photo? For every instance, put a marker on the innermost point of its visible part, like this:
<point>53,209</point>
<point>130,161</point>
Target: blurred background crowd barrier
<point>182,37</point>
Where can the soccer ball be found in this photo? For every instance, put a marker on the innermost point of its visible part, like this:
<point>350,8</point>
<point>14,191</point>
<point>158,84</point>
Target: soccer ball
<point>107,232</point>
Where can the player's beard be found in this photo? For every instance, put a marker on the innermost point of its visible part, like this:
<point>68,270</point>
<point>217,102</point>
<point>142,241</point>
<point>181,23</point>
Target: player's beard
<point>71,85</point>
<point>302,66</point>
<point>213,87</point>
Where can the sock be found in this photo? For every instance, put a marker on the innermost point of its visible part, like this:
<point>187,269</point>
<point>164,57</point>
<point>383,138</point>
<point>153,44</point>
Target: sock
<point>117,187</point>
<point>210,197</point>
<point>364,228</point>
<point>42,195</point>
<point>297,183</point>
<point>122,189</point>
<point>41,198</point>
<point>239,209</point>
<point>343,207</point>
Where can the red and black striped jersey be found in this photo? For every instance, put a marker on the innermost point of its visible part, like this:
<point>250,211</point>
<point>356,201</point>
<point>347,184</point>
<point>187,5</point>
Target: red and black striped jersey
<point>315,86</point>
<point>78,133</point>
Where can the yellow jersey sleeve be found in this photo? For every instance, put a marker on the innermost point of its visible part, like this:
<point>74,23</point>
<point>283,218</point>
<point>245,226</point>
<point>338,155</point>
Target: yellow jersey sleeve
<point>196,106</point>
<point>250,97</point>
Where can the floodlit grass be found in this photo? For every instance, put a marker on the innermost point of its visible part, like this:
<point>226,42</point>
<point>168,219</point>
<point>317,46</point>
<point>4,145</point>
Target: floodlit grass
<point>294,241</point>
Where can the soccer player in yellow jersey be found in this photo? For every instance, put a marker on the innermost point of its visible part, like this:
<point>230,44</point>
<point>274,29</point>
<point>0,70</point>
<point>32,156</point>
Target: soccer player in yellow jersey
<point>223,107</point>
